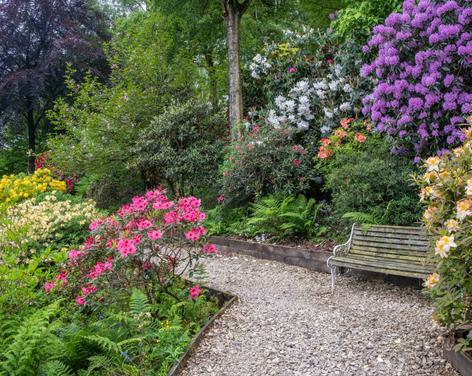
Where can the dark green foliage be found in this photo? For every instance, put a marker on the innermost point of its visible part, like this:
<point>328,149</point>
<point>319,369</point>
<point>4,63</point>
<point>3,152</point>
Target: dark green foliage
<point>265,162</point>
<point>182,148</point>
<point>367,178</point>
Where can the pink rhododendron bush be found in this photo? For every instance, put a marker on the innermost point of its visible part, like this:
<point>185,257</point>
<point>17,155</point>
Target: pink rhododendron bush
<point>148,244</point>
<point>447,189</point>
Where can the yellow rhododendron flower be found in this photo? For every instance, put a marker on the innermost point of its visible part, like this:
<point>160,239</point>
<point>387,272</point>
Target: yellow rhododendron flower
<point>464,209</point>
<point>468,187</point>
<point>432,280</point>
<point>444,245</point>
<point>428,215</point>
<point>432,163</point>
<point>452,225</point>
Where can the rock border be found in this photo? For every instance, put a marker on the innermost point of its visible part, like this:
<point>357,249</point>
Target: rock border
<point>297,256</point>
<point>225,300</point>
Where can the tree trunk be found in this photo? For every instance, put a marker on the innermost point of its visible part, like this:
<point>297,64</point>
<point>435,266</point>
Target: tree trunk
<point>31,140</point>
<point>232,12</point>
<point>213,82</point>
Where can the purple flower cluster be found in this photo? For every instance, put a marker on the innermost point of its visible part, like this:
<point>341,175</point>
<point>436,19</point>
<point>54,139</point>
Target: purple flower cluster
<point>423,61</point>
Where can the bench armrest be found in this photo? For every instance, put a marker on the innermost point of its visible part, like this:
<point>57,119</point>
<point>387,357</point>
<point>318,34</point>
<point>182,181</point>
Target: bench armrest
<point>343,249</point>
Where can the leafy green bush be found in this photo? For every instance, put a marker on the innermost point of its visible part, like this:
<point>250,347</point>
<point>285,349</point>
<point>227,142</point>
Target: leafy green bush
<point>182,148</point>
<point>136,338</point>
<point>357,19</point>
<point>366,180</point>
<point>266,161</point>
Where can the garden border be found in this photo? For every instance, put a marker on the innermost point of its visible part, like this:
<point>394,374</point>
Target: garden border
<point>461,362</point>
<point>297,256</point>
<point>225,300</point>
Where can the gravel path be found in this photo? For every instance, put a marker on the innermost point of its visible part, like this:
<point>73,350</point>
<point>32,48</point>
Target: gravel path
<point>287,323</point>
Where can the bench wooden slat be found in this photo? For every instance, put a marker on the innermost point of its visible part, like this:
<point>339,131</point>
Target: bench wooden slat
<point>387,239</point>
<point>391,237</point>
<point>399,266</point>
<point>363,248</point>
<point>394,229</point>
<point>380,245</point>
<point>389,255</point>
<point>376,269</point>
<point>389,234</point>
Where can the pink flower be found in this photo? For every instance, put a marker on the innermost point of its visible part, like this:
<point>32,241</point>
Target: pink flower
<point>75,254</point>
<point>80,300</point>
<point>297,162</point>
<point>154,234</point>
<point>143,224</point>
<point>220,198</point>
<point>126,247</point>
<point>89,289</point>
<point>137,239</point>
<point>139,203</point>
<point>292,70</point>
<point>209,248</point>
<point>171,217</point>
<point>195,233</point>
<point>125,210</point>
<point>48,286</point>
<point>360,137</point>
<point>195,292</point>
<point>95,224</point>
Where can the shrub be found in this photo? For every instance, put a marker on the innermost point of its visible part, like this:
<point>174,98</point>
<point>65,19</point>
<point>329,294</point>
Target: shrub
<point>363,176</point>
<point>266,161</point>
<point>358,18</point>
<point>182,148</point>
<point>310,82</point>
<point>447,189</point>
<point>422,59</point>
<point>148,245</point>
<point>49,220</point>
<point>16,188</point>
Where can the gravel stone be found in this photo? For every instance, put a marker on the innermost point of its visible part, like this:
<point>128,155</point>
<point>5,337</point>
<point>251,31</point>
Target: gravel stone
<point>286,322</point>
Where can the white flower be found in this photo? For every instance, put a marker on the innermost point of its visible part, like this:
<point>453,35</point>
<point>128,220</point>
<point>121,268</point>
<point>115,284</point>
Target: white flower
<point>303,125</point>
<point>325,129</point>
<point>290,105</point>
<point>320,94</point>
<point>333,85</point>
<point>347,88</point>
<point>344,107</point>
<point>279,101</point>
<point>273,119</point>
<point>328,113</point>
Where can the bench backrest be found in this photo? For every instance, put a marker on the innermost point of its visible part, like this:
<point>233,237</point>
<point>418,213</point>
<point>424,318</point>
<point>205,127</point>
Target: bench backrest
<point>410,244</point>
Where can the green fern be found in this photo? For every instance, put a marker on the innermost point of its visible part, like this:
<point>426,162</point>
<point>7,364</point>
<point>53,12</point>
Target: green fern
<point>363,218</point>
<point>283,217</point>
<point>56,368</point>
<point>138,303</point>
<point>29,344</point>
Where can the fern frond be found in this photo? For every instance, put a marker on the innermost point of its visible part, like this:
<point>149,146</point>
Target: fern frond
<point>56,368</point>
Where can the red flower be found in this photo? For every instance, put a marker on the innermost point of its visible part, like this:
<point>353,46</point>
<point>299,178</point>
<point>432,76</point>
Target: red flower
<point>297,162</point>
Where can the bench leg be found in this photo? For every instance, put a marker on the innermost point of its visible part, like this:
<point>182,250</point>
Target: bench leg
<point>333,277</point>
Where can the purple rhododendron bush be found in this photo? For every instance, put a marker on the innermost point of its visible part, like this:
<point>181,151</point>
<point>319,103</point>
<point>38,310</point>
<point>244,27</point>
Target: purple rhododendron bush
<point>422,60</point>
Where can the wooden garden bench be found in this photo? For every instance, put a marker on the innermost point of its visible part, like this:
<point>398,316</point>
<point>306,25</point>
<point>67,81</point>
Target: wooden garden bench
<point>396,250</point>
